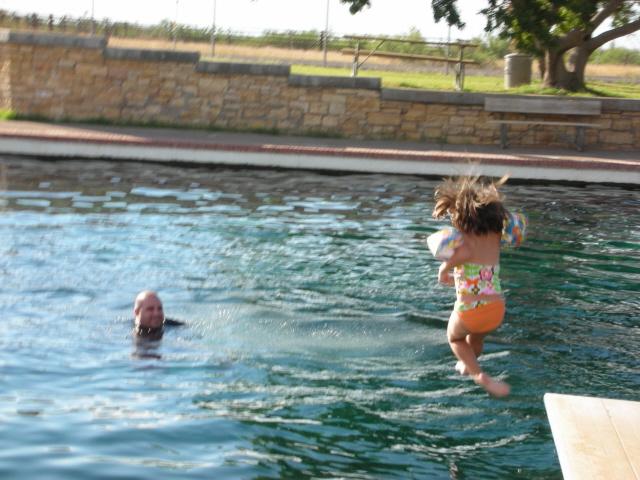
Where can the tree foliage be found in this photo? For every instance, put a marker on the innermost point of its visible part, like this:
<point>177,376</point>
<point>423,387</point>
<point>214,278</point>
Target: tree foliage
<point>548,29</point>
<point>617,56</point>
<point>538,25</point>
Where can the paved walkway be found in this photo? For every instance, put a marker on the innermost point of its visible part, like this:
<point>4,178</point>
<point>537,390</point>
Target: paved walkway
<point>200,146</point>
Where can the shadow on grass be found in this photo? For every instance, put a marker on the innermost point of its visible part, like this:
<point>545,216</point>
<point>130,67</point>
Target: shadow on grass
<point>588,91</point>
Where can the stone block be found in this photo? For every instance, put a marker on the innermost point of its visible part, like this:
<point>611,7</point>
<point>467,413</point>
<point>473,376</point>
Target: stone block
<point>190,90</point>
<point>255,112</point>
<point>177,102</point>
<point>295,116</point>
<point>333,98</point>
<point>337,108</point>
<point>620,124</point>
<point>317,81</point>
<point>433,133</point>
<point>137,54</point>
<point>363,104</point>
<point>299,106</point>
<point>440,110</point>
<point>617,138</point>
<point>318,108</point>
<point>329,121</point>
<point>46,39</point>
<point>312,120</point>
<point>383,119</point>
<point>249,97</point>
<point>350,129</point>
<point>432,97</point>
<point>64,63</point>
<point>279,113</point>
<point>415,113</point>
<point>409,127</point>
<point>243,68</point>
<point>398,135</point>
<point>460,130</point>
<point>217,85</point>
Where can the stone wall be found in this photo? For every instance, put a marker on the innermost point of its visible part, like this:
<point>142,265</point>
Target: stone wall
<point>67,77</point>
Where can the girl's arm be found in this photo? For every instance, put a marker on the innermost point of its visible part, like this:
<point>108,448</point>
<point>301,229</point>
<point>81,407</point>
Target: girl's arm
<point>460,256</point>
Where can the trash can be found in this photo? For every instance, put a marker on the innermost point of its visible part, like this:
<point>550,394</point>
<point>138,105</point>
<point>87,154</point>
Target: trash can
<point>517,70</point>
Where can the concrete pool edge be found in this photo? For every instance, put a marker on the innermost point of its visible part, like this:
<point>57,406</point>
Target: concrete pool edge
<point>55,141</point>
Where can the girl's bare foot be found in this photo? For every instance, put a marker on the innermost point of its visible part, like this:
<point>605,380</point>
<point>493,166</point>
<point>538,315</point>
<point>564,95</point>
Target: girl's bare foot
<point>494,387</point>
<point>461,368</point>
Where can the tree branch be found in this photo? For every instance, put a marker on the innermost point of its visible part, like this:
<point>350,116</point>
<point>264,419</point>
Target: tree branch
<point>570,39</point>
<point>605,13</point>
<point>597,42</point>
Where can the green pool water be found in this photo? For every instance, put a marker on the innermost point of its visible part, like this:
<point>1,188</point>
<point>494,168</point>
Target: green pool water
<point>315,340</point>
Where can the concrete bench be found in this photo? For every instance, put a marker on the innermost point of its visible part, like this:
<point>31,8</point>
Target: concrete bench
<point>535,108</point>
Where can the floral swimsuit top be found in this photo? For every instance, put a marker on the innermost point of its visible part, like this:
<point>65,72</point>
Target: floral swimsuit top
<point>475,279</point>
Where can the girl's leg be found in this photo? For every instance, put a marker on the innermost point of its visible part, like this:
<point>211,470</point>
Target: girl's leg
<point>457,336</point>
<point>497,388</point>
<point>464,351</point>
<point>476,342</point>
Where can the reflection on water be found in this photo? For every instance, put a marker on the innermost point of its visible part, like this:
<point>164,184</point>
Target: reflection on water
<point>146,348</point>
<point>315,338</point>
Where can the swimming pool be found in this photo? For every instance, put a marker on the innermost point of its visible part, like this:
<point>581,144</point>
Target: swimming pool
<point>315,345</point>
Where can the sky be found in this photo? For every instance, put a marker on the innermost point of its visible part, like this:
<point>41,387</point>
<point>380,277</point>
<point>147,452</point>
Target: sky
<point>384,17</point>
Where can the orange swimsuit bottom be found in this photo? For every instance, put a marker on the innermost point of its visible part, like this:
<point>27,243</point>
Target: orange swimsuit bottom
<point>484,318</point>
<point>484,311</point>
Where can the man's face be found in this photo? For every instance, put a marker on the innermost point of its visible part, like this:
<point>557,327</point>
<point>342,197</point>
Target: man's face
<point>150,313</point>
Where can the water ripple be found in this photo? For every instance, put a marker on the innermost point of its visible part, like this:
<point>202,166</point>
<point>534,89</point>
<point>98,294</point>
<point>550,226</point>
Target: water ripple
<point>315,344</point>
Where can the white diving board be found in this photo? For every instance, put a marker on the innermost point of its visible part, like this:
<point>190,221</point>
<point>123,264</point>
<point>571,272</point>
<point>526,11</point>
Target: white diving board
<point>596,438</point>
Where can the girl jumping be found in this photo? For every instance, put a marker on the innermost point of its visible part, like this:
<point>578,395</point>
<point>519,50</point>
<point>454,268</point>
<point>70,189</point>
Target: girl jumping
<point>472,251</point>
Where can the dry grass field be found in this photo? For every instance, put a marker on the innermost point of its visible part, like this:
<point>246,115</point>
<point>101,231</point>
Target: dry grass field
<point>247,53</point>
<point>621,71</point>
<point>240,53</point>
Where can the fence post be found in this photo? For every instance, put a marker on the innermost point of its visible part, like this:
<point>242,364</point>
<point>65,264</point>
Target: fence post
<point>356,54</point>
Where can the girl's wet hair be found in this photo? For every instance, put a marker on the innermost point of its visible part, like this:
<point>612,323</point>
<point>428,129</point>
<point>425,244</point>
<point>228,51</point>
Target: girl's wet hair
<point>474,204</point>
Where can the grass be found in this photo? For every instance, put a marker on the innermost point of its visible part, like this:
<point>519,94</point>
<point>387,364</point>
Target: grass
<point>6,114</point>
<point>431,81</point>
<point>472,83</point>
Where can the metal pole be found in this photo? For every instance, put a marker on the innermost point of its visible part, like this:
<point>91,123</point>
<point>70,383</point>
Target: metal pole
<point>175,28</point>
<point>326,36</point>
<point>213,31</point>
<point>356,55</point>
<point>460,71</point>
<point>448,47</point>
<point>93,22</point>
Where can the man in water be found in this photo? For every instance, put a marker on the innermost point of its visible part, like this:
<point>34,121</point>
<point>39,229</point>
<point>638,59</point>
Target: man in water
<point>149,316</point>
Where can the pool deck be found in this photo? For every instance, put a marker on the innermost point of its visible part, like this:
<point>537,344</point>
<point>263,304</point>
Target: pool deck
<point>47,140</point>
<point>596,438</point>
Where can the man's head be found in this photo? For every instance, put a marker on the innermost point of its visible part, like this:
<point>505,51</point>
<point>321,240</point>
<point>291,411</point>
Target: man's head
<point>148,310</point>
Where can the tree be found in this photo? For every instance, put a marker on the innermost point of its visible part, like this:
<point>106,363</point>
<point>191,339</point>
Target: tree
<point>34,21</point>
<point>560,33</point>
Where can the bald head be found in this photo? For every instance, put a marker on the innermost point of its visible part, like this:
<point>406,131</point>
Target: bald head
<point>148,310</point>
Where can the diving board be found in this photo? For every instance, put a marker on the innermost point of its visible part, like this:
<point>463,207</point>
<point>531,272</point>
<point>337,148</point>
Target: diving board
<point>596,438</point>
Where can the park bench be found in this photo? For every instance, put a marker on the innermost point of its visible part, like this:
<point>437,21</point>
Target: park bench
<point>536,112</point>
<point>459,63</point>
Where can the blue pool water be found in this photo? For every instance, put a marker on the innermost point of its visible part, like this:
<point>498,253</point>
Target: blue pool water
<point>315,344</point>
